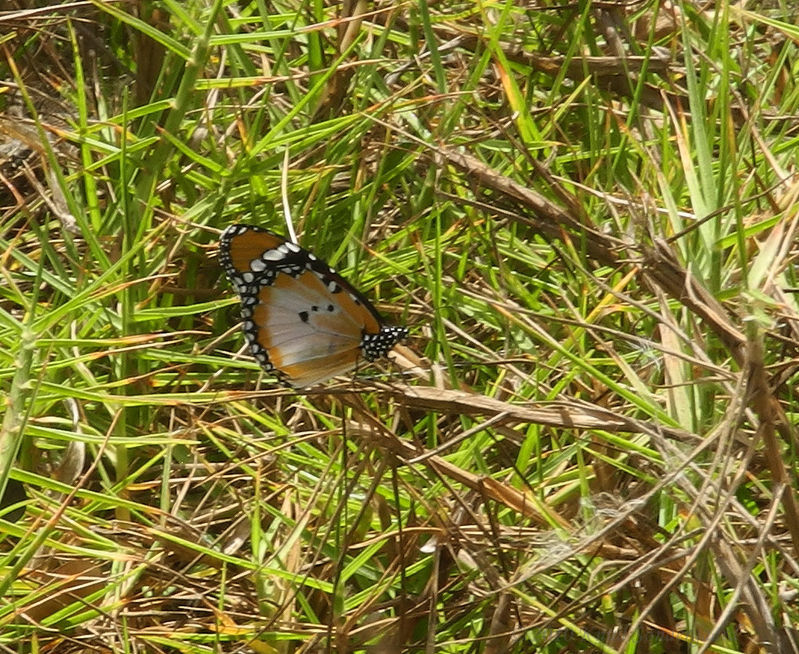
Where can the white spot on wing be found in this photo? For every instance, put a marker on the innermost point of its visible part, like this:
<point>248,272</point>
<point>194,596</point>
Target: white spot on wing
<point>273,255</point>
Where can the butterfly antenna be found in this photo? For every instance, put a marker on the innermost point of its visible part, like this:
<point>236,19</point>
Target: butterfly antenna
<point>284,192</point>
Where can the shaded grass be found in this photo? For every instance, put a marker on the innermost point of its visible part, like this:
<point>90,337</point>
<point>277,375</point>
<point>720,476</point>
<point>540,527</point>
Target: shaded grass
<point>585,217</point>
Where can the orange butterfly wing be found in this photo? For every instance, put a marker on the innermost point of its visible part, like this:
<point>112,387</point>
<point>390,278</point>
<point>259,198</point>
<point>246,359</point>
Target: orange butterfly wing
<point>301,319</point>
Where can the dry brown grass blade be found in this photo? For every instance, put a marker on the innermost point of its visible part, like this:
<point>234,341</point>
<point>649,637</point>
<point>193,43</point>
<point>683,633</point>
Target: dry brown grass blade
<point>549,218</point>
<point>663,269</point>
<point>335,92</point>
<point>738,571</point>
<point>501,626</point>
<point>608,71</point>
<point>70,581</point>
<point>524,503</point>
<point>567,415</point>
<point>770,414</point>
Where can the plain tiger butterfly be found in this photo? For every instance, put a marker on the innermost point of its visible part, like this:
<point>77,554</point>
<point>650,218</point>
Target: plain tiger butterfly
<point>301,319</point>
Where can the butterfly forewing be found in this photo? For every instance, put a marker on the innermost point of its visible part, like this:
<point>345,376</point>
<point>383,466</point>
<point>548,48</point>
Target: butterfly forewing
<point>239,250</point>
<point>301,318</point>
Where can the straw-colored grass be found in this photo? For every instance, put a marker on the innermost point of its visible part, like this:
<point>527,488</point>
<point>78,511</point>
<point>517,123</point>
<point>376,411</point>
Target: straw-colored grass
<point>584,213</point>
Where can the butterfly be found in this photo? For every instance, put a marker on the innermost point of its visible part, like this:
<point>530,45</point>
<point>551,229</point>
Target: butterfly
<point>301,319</point>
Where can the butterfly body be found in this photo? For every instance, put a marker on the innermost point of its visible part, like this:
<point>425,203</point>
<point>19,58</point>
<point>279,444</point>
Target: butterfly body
<point>301,319</point>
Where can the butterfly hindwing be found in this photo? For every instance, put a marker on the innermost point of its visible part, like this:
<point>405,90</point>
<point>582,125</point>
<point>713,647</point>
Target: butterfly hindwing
<point>300,318</point>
